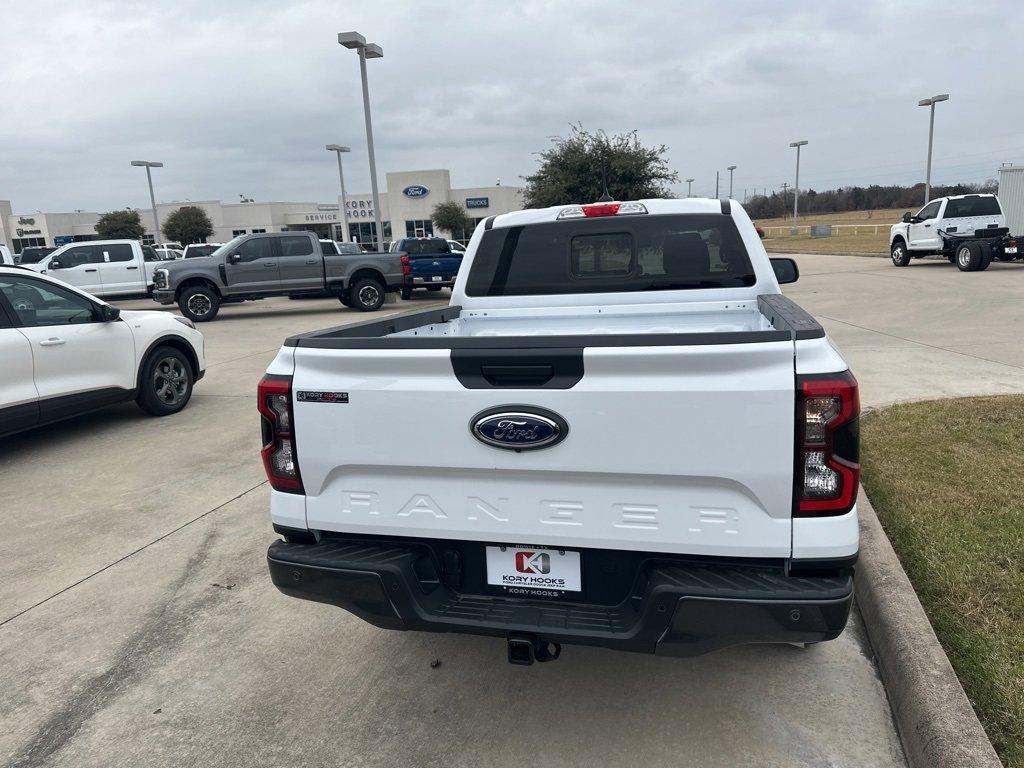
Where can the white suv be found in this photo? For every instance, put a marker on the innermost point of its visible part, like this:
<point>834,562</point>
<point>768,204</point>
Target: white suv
<point>65,352</point>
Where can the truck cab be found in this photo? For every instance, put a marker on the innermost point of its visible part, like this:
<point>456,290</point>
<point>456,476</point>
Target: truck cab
<point>947,225</point>
<point>103,267</point>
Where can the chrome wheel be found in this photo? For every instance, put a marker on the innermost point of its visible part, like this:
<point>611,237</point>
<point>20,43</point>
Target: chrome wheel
<point>170,380</point>
<point>963,257</point>
<point>897,255</point>
<point>199,305</point>
<point>369,295</point>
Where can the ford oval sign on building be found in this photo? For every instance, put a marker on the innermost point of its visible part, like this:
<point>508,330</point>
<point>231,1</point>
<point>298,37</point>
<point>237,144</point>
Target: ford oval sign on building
<point>416,190</point>
<point>519,428</point>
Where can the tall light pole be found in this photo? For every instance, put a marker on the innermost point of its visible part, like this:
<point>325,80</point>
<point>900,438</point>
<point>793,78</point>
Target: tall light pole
<point>731,168</point>
<point>716,185</point>
<point>338,149</point>
<point>689,187</point>
<point>353,40</point>
<point>796,185</point>
<point>152,198</point>
<point>931,129</point>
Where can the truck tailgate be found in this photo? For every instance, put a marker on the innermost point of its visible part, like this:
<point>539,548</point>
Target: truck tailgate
<point>681,449</point>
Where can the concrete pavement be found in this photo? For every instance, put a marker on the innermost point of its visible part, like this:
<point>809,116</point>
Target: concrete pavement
<point>138,625</point>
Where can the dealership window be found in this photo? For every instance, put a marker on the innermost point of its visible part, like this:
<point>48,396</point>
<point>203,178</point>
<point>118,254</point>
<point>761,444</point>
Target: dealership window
<point>419,228</point>
<point>463,235</point>
<point>258,231</point>
<point>365,233</point>
<point>24,242</point>
<point>237,232</point>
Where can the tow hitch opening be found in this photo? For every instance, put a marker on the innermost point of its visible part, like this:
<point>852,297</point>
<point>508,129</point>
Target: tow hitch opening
<point>526,649</point>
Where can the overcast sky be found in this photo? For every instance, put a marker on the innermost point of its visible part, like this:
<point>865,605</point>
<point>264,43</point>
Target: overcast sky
<point>240,96</point>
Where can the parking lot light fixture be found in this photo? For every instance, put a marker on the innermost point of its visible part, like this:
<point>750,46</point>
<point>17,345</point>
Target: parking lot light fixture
<point>689,187</point>
<point>730,169</point>
<point>338,149</point>
<point>147,164</point>
<point>931,130</point>
<point>796,184</point>
<point>355,41</point>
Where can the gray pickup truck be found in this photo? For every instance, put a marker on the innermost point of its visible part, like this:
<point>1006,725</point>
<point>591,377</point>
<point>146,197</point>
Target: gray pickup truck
<point>276,264</point>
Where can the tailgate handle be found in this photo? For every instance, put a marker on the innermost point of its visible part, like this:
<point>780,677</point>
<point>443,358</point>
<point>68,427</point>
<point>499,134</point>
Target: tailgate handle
<point>517,375</point>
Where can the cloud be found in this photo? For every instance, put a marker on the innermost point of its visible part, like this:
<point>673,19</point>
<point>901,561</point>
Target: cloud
<point>240,96</point>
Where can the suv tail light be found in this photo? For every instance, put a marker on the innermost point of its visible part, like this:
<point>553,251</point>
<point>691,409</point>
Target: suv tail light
<point>274,398</point>
<point>828,444</point>
<point>406,267</point>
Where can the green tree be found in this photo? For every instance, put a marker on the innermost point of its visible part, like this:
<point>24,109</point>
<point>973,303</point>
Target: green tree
<point>451,217</point>
<point>580,168</point>
<point>120,225</point>
<point>188,224</point>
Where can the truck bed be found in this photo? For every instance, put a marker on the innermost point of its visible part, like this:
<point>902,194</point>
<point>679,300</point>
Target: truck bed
<point>773,317</point>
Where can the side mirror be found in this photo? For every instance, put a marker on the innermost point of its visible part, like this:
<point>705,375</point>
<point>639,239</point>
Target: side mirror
<point>109,314</point>
<point>786,270</point>
<point>55,264</point>
<point>234,258</point>
<point>907,217</point>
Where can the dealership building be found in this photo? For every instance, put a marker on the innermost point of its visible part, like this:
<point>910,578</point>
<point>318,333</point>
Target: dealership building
<point>405,206</point>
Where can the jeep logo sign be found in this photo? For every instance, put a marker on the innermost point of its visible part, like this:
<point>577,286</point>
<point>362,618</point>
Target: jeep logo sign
<point>416,190</point>
<point>519,428</point>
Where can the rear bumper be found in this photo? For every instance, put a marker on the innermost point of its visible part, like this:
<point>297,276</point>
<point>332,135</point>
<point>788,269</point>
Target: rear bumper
<point>676,609</point>
<point>423,282</point>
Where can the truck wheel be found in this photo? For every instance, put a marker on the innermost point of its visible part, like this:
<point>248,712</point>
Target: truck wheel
<point>366,295</point>
<point>165,385</point>
<point>986,256</point>
<point>951,257</point>
<point>899,254</point>
<point>407,293</point>
<point>968,257</point>
<point>199,303</point>
<point>345,300</point>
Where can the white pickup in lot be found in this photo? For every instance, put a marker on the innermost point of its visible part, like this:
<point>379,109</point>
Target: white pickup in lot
<point>103,267</point>
<point>65,352</point>
<point>620,433</point>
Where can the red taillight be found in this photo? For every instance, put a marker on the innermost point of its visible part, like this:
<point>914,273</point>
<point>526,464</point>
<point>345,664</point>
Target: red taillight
<point>406,268</point>
<point>601,209</point>
<point>274,400</point>
<point>828,444</point>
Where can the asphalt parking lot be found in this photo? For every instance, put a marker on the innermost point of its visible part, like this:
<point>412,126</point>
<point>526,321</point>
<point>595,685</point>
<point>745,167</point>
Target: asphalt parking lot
<point>138,625</point>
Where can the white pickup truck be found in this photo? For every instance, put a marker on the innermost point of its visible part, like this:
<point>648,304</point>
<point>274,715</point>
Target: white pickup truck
<point>969,230</point>
<point>108,268</point>
<point>619,433</point>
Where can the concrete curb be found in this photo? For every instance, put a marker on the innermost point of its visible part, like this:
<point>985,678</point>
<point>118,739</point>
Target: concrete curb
<point>937,725</point>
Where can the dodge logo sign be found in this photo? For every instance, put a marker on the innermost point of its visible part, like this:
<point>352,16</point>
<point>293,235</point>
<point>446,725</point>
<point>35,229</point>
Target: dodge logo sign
<point>416,190</point>
<point>519,428</point>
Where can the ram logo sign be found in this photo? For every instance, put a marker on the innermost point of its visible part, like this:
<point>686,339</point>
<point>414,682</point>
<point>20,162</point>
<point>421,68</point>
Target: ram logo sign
<point>416,190</point>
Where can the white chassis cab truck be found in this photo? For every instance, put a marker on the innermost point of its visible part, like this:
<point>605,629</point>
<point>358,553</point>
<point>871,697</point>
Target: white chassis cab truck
<point>619,433</point>
<point>969,230</point>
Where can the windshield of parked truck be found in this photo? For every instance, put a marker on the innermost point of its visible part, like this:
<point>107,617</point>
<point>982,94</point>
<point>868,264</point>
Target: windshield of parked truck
<point>425,247</point>
<point>611,254</point>
<point>971,206</point>
<point>205,249</point>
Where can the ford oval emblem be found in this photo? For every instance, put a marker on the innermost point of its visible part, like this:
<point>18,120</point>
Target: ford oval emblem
<point>416,190</point>
<point>519,427</point>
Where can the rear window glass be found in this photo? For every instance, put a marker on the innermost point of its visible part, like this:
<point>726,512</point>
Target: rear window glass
<point>613,254</point>
<point>200,250</point>
<point>972,206</point>
<point>418,247</point>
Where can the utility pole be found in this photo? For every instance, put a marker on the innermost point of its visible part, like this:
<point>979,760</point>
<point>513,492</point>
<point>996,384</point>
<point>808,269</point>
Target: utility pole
<point>785,186</point>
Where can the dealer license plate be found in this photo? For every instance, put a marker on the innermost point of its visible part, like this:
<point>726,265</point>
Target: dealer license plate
<point>1010,249</point>
<point>436,278</point>
<point>529,570</point>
